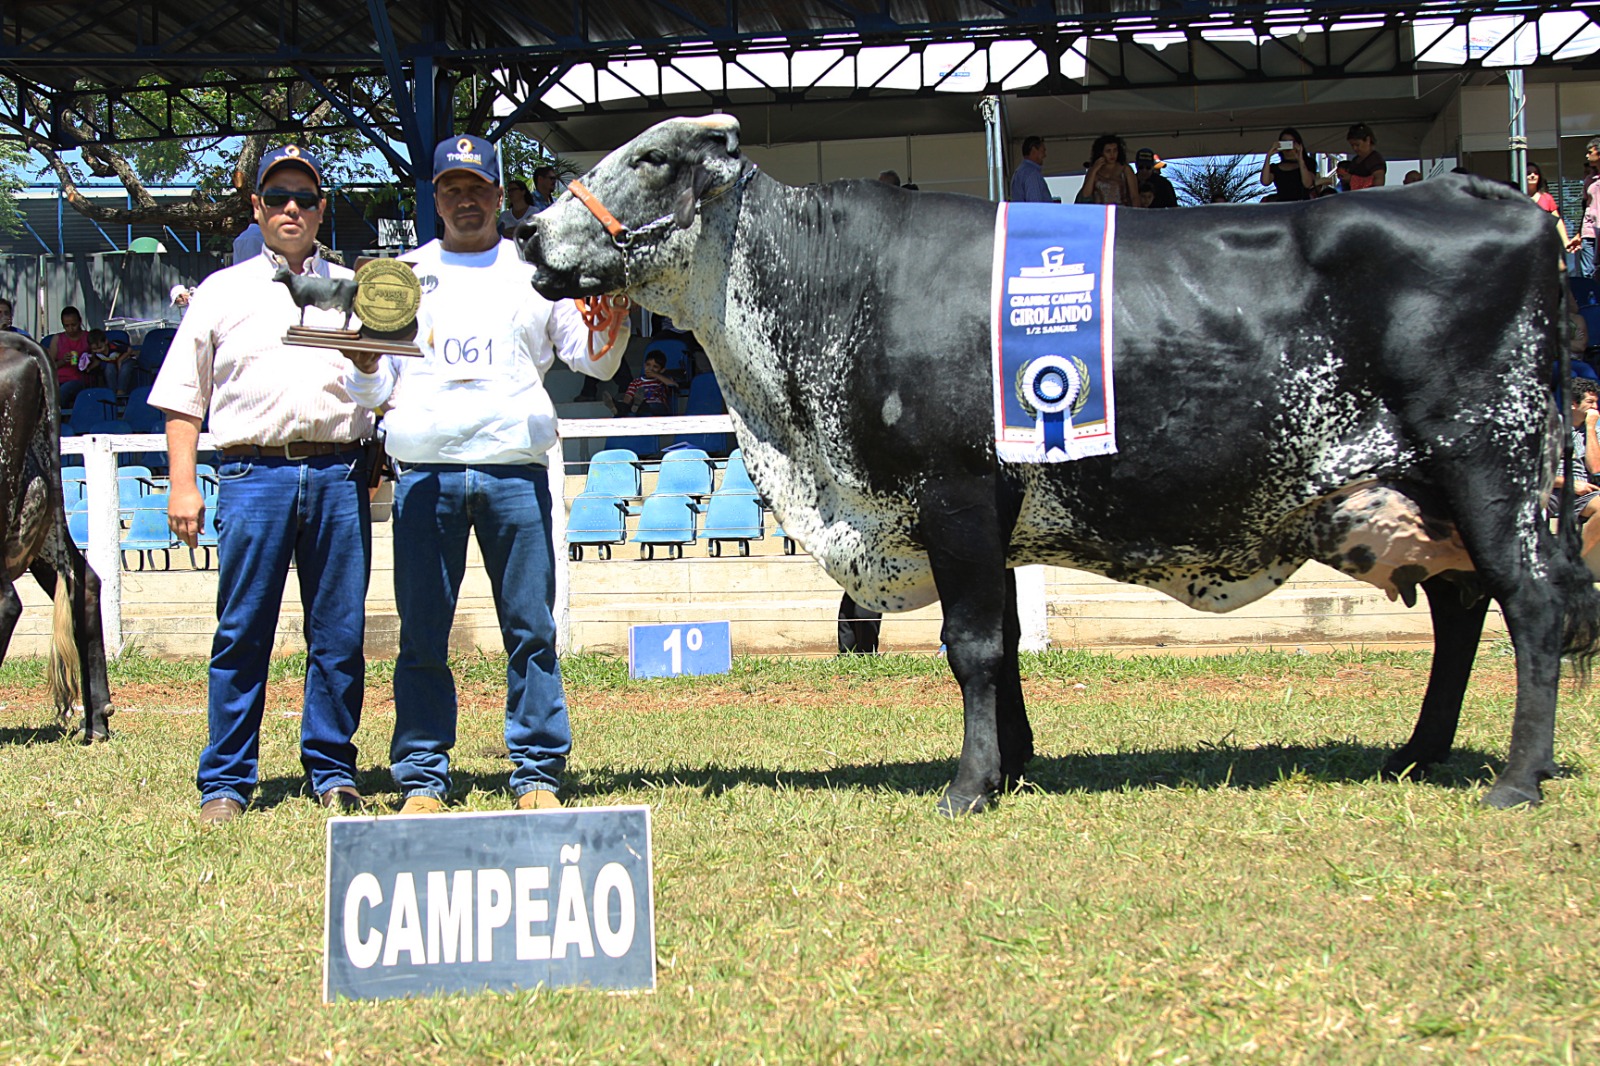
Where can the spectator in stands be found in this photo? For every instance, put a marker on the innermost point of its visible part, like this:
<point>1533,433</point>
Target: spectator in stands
<point>69,351</point>
<point>1290,174</point>
<point>1154,188</point>
<point>247,245</point>
<point>6,312</point>
<point>544,187</point>
<point>294,479</point>
<point>1027,183</point>
<point>114,361</point>
<point>1412,177</point>
<point>1110,179</point>
<point>519,208</point>
<point>889,177</point>
<point>471,440</point>
<point>1584,471</point>
<point>649,394</point>
<point>1368,169</point>
<point>1539,193</point>
<point>1591,209</point>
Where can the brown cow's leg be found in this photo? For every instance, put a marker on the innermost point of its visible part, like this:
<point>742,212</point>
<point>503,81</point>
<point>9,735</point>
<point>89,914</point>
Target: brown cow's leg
<point>962,532</point>
<point>1456,629</point>
<point>10,611</point>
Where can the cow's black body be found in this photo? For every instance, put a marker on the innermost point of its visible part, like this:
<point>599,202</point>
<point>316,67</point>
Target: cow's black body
<point>1330,380</point>
<point>37,538</point>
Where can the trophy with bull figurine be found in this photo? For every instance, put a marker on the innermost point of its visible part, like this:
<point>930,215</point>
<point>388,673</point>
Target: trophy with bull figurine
<point>385,294</point>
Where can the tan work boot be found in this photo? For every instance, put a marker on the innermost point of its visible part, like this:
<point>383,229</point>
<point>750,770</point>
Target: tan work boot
<point>421,805</point>
<point>220,811</point>
<point>540,799</point>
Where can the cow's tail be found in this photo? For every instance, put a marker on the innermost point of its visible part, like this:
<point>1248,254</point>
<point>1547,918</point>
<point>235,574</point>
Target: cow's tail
<point>65,672</point>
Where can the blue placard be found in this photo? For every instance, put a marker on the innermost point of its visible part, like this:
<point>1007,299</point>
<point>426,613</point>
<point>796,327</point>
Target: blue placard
<point>679,649</point>
<point>475,901</point>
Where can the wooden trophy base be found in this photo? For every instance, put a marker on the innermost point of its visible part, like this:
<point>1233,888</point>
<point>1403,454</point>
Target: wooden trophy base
<point>349,340</point>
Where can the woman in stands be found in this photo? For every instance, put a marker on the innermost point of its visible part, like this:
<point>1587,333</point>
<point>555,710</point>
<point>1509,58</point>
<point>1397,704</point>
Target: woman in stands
<point>1290,174</point>
<point>1110,179</point>
<point>69,351</point>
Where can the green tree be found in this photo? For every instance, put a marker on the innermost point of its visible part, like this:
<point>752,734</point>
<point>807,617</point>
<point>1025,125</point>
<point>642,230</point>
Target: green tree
<point>1215,180</point>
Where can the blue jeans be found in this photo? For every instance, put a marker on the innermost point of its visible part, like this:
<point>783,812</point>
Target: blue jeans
<point>1586,258</point>
<point>269,511</point>
<point>436,506</point>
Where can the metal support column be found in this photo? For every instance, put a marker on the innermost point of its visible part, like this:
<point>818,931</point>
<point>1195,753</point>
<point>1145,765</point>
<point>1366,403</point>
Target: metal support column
<point>1519,129</point>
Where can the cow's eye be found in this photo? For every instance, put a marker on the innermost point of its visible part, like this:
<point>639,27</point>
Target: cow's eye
<point>651,159</point>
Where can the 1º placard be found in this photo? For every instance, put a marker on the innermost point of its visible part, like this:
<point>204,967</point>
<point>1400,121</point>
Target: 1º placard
<point>680,648</point>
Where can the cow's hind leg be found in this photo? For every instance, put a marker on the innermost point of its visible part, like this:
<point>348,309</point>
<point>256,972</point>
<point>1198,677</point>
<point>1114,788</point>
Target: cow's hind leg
<point>62,557</point>
<point>1016,735</point>
<point>961,530</point>
<point>1457,626</point>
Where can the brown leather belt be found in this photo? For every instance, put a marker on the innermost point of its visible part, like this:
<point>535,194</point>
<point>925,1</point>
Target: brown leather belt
<point>299,449</point>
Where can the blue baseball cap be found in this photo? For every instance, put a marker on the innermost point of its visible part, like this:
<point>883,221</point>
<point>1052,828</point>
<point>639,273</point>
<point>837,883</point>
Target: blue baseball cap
<point>284,156</point>
<point>466,152</point>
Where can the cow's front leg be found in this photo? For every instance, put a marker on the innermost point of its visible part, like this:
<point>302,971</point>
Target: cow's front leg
<point>1535,618</point>
<point>962,533</point>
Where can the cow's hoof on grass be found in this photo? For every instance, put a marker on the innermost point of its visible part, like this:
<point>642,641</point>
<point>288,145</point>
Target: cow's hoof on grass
<point>1402,766</point>
<point>1504,797</point>
<point>953,805</point>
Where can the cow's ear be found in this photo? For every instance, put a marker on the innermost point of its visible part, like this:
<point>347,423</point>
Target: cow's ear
<point>689,200</point>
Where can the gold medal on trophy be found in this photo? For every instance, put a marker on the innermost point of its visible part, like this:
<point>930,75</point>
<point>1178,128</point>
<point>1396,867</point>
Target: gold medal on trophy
<point>386,297</point>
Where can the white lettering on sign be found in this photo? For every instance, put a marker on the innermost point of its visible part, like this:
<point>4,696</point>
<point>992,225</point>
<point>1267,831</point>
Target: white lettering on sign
<point>613,877</point>
<point>364,888</point>
<point>463,902</point>
<point>449,917</point>
<point>405,923</point>
<point>494,909</point>
<point>532,911</point>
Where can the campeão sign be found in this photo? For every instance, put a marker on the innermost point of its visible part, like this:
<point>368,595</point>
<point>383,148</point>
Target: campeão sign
<point>506,900</point>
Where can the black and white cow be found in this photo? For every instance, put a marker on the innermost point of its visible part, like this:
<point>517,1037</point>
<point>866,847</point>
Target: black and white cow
<point>1362,381</point>
<point>37,539</point>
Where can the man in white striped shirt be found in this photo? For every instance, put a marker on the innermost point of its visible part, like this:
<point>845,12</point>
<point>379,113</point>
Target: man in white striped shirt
<point>293,487</point>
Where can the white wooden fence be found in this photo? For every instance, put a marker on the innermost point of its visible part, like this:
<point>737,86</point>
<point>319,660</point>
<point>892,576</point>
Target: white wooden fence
<point>99,455</point>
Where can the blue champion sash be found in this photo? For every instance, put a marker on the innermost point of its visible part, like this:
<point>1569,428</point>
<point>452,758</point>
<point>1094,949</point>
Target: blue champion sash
<point>1053,396</point>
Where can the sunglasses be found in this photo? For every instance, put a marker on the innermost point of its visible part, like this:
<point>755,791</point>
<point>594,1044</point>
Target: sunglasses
<point>305,201</point>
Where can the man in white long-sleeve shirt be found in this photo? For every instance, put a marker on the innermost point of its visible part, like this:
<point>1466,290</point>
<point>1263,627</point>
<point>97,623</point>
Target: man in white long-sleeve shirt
<point>469,427</point>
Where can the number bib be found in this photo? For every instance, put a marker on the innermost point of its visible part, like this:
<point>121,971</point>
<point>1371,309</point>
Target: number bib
<point>467,347</point>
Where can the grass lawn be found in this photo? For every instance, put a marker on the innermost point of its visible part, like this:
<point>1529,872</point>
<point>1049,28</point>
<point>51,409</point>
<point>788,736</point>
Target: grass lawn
<point>1202,867</point>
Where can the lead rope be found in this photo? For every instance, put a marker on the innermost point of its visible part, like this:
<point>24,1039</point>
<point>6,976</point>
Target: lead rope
<point>603,315</point>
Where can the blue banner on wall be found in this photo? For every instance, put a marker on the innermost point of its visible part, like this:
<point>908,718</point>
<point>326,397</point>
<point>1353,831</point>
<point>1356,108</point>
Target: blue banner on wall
<point>1053,392</point>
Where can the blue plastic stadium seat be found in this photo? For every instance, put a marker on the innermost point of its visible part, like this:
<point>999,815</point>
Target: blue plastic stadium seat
<point>685,471</point>
<point>736,478</point>
<point>1585,291</point>
<point>639,446</point>
<point>613,472</point>
<point>153,350</point>
<point>596,520</point>
<point>140,415</point>
<point>93,406</point>
<point>149,533</point>
<point>78,523</point>
<point>666,519</point>
<point>789,545</point>
<point>732,516</point>
<point>705,398</point>
<point>74,484</point>
<point>207,540</point>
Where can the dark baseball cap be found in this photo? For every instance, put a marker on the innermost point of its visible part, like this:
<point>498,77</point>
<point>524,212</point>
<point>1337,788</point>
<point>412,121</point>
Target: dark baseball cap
<point>466,152</point>
<point>284,156</point>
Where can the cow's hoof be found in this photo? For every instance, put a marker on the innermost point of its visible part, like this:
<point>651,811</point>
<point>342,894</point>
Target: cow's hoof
<point>1504,797</point>
<point>953,804</point>
<point>1403,766</point>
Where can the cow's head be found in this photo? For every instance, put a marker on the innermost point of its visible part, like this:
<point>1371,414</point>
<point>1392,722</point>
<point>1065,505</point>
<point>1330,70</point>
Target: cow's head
<point>654,187</point>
